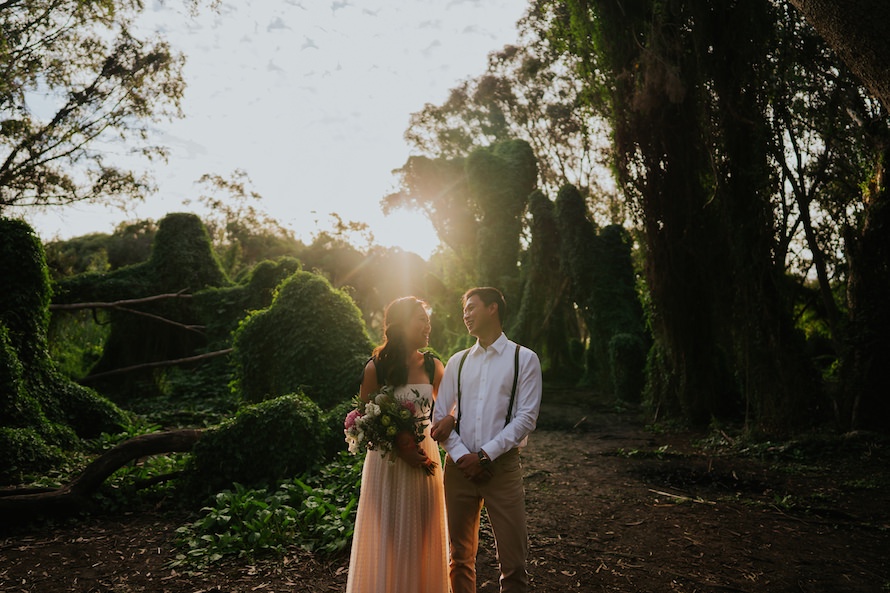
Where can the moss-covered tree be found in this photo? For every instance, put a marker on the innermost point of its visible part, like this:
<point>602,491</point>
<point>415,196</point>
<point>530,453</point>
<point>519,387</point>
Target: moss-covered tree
<point>599,266</point>
<point>546,321</point>
<point>182,260</point>
<point>40,410</point>
<point>686,86</point>
<point>501,178</point>
<point>579,251</point>
<point>310,339</point>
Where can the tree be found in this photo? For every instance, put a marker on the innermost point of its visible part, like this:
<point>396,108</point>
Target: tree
<point>241,232</point>
<point>527,92</point>
<point>40,409</point>
<point>129,244</point>
<point>438,188</point>
<point>501,178</point>
<point>475,203</point>
<point>578,253</point>
<point>546,321</point>
<point>685,86</point>
<point>855,30</point>
<point>97,85</point>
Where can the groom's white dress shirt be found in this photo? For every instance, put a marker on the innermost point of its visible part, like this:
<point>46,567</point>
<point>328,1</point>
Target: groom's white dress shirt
<point>486,380</point>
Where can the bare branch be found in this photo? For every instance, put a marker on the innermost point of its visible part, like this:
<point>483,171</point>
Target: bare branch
<point>157,364</point>
<point>117,304</point>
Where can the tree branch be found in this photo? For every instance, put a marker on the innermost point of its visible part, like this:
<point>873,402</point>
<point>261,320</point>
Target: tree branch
<point>16,505</point>
<point>156,364</point>
<point>117,304</point>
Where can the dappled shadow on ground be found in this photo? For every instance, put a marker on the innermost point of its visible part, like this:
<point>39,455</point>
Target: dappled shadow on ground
<point>612,507</point>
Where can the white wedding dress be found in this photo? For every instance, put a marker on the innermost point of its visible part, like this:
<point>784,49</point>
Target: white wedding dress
<point>400,542</point>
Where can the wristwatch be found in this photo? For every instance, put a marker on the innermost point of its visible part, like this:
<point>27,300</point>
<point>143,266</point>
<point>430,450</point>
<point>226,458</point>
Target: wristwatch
<point>483,458</point>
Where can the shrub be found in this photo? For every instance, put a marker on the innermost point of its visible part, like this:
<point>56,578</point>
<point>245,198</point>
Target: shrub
<point>316,511</point>
<point>334,439</point>
<point>84,410</point>
<point>181,259</point>
<point>311,339</point>
<point>260,445</point>
<point>24,450</point>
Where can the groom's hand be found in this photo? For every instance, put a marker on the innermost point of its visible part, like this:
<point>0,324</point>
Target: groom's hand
<point>470,466</point>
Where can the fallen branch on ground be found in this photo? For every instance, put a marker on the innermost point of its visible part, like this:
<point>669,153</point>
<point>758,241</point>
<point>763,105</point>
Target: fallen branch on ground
<point>16,505</point>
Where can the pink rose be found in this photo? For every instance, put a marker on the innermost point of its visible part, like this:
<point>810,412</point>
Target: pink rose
<point>409,406</point>
<point>351,417</point>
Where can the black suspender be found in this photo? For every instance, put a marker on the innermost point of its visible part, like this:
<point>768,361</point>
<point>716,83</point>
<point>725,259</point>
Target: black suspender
<point>512,390</point>
<point>459,369</point>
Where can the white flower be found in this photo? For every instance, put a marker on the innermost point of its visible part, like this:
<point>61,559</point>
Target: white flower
<point>372,410</point>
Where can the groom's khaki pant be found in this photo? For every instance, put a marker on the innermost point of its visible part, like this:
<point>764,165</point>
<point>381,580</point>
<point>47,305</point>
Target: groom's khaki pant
<point>504,498</point>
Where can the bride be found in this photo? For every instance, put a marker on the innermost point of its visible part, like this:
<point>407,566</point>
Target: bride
<point>399,544</point>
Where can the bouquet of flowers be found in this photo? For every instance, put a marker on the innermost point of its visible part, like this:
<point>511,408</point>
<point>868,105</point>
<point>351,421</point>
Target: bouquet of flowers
<point>386,424</point>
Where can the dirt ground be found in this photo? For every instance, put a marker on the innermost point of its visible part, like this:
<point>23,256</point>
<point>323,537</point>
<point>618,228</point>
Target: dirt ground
<point>612,506</point>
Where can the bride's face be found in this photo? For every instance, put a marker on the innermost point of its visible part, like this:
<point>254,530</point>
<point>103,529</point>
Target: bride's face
<point>417,331</point>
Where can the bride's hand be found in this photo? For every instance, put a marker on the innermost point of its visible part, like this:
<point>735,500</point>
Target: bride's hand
<point>407,449</point>
<point>441,430</point>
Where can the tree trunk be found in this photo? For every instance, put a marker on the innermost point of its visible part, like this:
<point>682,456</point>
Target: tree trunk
<point>865,403</point>
<point>857,31</point>
<point>18,505</point>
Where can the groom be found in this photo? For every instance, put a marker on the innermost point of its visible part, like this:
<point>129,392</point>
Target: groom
<point>494,391</point>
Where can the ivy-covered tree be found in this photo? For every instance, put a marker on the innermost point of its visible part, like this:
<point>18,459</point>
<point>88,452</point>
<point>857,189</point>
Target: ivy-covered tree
<point>476,204</point>
<point>438,188</point>
<point>529,92</point>
<point>546,321</point>
<point>689,110</point>
<point>311,339</point>
<point>501,178</point>
<point>106,86</point>
<point>182,261</point>
<point>578,253</point>
<point>41,411</point>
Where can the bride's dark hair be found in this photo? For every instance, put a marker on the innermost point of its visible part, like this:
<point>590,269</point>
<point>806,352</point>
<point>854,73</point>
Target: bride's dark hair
<point>389,357</point>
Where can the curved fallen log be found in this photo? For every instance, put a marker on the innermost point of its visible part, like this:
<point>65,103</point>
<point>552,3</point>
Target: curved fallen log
<point>19,505</point>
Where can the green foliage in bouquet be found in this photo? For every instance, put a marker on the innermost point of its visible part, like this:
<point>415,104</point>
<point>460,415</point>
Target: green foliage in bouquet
<point>261,445</point>
<point>311,339</point>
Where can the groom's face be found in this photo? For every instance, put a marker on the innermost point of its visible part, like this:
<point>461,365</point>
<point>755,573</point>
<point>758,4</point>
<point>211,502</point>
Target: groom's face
<point>478,316</point>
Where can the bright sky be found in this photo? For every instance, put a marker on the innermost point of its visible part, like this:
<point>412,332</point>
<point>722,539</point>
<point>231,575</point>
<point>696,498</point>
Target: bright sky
<point>311,98</point>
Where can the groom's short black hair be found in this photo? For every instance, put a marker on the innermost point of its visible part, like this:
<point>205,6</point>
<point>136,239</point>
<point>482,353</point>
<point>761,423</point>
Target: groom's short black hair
<point>488,295</point>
